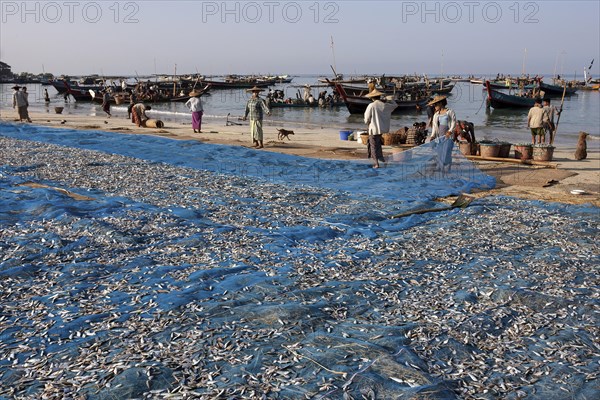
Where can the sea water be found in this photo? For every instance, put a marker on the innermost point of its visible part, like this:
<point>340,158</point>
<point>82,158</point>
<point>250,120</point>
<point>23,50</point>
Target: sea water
<point>581,112</point>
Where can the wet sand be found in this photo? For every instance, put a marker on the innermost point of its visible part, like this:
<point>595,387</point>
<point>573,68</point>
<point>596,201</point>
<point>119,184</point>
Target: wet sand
<point>553,183</point>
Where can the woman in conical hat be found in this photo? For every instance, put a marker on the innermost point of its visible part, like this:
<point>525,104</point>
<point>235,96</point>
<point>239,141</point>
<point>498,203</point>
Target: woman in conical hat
<point>195,106</point>
<point>442,128</point>
<point>255,89</point>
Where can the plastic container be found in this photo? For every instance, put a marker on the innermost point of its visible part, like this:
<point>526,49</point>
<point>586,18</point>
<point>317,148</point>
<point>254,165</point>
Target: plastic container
<point>344,135</point>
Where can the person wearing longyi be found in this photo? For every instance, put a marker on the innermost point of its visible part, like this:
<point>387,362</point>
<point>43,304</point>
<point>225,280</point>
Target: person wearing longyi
<point>443,125</point>
<point>195,106</point>
<point>535,121</point>
<point>550,111</point>
<point>138,114</point>
<point>20,102</point>
<point>443,121</point>
<point>256,107</point>
<point>377,115</point>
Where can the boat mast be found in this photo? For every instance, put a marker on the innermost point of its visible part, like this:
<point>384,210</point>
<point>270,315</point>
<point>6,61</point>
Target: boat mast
<point>442,71</point>
<point>333,53</point>
<point>175,81</point>
<point>524,58</point>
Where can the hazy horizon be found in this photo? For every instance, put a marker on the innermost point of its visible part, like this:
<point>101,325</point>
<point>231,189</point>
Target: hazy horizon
<point>295,37</point>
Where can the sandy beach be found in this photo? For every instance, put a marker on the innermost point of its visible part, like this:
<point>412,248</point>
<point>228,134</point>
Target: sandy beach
<point>553,183</point>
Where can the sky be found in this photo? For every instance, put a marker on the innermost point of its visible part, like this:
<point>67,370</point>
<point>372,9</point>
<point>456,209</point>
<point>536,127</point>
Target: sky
<point>295,37</point>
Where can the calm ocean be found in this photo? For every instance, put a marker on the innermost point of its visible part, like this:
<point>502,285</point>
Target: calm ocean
<point>581,112</point>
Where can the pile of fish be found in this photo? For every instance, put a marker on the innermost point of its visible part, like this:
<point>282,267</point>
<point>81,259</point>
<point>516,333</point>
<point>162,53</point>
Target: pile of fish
<point>131,279</point>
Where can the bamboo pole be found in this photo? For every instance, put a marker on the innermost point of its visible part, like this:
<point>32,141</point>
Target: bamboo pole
<point>562,102</point>
<point>513,161</point>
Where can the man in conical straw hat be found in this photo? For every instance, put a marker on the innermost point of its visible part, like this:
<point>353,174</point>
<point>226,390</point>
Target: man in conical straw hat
<point>195,105</point>
<point>378,115</point>
<point>256,107</point>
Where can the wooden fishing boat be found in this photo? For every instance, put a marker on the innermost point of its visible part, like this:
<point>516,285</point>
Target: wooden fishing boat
<point>358,104</point>
<point>203,91</point>
<point>589,87</point>
<point>302,104</point>
<point>502,85</point>
<point>236,82</point>
<point>554,90</point>
<point>498,99</point>
<point>446,89</point>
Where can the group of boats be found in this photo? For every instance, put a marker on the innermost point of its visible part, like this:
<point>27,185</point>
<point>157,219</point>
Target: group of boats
<point>524,97</point>
<point>159,89</point>
<point>410,93</point>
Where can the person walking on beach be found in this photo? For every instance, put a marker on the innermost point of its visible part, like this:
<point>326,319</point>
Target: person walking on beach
<point>256,107</point>
<point>20,102</point>
<point>46,96</point>
<point>550,111</point>
<point>535,121</point>
<point>195,106</point>
<point>106,102</point>
<point>132,101</point>
<point>443,125</point>
<point>377,115</point>
<point>138,114</point>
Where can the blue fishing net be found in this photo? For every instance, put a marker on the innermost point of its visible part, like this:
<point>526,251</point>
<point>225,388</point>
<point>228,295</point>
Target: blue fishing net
<point>412,175</point>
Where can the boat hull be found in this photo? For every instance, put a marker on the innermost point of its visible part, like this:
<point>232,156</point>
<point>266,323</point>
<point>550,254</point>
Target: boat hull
<point>359,104</point>
<point>498,99</point>
<point>554,90</point>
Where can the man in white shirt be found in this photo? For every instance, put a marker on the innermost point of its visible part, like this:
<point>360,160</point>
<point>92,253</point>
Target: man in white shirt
<point>21,102</point>
<point>378,115</point>
<point>535,121</point>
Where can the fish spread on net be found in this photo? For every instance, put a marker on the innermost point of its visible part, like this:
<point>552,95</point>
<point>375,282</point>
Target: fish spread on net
<point>180,283</point>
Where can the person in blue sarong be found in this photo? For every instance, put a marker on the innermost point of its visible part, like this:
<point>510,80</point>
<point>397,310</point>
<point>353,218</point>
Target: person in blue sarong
<point>442,128</point>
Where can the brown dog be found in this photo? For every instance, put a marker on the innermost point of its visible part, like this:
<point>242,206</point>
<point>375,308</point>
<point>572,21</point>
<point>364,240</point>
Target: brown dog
<point>284,133</point>
<point>581,151</point>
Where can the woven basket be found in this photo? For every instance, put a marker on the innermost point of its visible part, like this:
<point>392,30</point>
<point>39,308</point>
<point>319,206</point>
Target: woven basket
<point>543,153</point>
<point>489,149</point>
<point>364,138</point>
<point>467,148</point>
<point>402,135</point>
<point>504,151</point>
<point>389,139</point>
<point>411,135</point>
